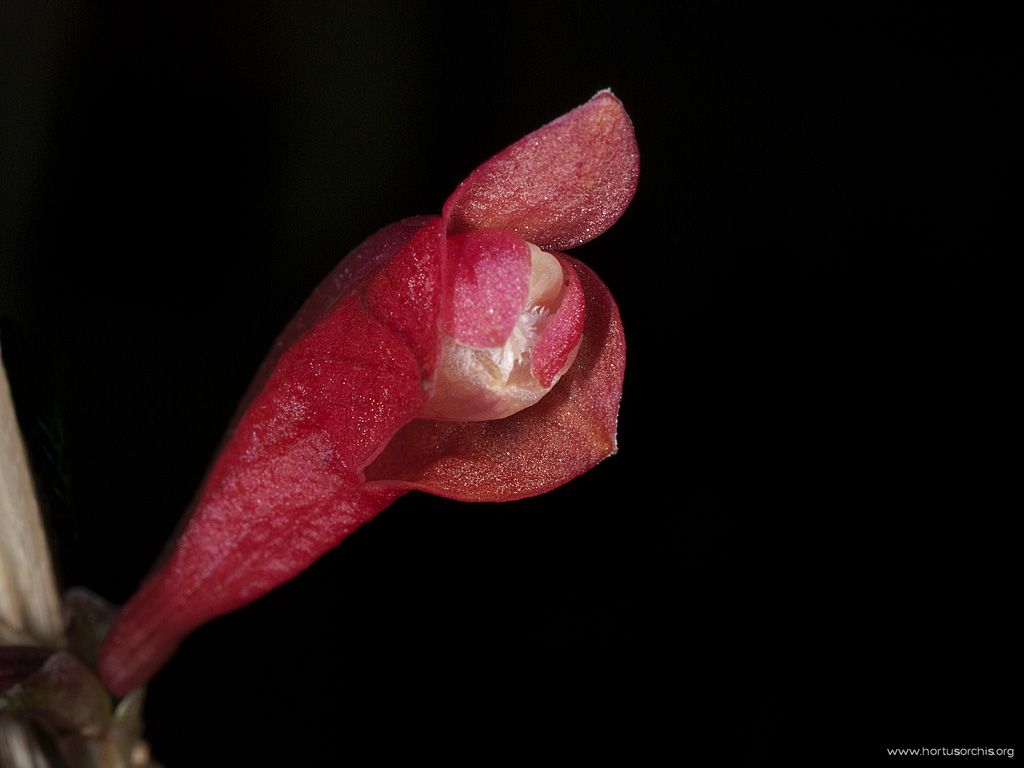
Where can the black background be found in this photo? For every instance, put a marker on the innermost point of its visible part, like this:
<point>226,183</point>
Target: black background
<point>799,546</point>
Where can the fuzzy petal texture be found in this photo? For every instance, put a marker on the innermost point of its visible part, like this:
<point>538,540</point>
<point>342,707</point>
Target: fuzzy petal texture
<point>569,431</point>
<point>287,484</point>
<point>489,282</point>
<point>563,332</point>
<point>562,185</point>
<point>369,255</point>
<point>327,435</point>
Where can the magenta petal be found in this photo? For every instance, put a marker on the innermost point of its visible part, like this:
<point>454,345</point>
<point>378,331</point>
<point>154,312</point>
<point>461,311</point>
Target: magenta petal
<point>489,282</point>
<point>409,293</point>
<point>357,265</point>
<point>563,332</point>
<point>287,483</point>
<point>328,436</point>
<point>569,431</point>
<point>562,185</point>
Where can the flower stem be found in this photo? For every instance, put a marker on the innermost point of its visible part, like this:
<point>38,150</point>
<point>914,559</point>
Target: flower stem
<point>29,605</point>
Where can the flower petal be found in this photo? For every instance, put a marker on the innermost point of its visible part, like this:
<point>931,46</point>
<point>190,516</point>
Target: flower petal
<point>563,333</point>
<point>489,280</point>
<point>533,451</point>
<point>287,483</point>
<point>559,186</point>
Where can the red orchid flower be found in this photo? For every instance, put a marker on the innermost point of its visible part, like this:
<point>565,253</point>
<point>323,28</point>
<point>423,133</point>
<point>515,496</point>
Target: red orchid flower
<point>427,360</point>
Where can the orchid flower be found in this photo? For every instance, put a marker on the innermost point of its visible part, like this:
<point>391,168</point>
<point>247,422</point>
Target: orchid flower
<point>463,355</point>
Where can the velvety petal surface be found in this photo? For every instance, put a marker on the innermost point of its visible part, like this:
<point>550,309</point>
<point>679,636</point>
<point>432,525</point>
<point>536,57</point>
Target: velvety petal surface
<point>489,280</point>
<point>562,436</point>
<point>564,331</point>
<point>287,484</point>
<point>562,185</point>
<point>357,265</point>
<point>327,435</point>
<point>409,293</point>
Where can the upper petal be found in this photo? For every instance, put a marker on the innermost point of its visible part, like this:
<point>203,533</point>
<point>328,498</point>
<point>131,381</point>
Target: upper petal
<point>562,185</point>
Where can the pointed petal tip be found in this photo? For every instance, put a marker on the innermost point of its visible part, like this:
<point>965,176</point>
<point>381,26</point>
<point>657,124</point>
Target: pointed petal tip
<point>606,93</point>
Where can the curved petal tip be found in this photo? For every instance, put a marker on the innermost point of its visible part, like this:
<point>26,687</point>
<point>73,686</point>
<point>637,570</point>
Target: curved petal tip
<point>562,185</point>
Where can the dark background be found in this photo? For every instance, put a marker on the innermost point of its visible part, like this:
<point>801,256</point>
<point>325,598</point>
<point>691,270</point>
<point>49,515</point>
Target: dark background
<point>798,547</point>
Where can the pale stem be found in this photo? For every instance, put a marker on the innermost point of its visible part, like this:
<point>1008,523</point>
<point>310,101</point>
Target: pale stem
<point>28,589</point>
<point>29,605</point>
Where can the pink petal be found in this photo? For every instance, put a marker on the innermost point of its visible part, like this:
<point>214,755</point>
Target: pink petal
<point>409,294</point>
<point>563,333</point>
<point>569,431</point>
<point>489,281</point>
<point>178,599</point>
<point>287,484</point>
<point>562,185</point>
<point>355,267</point>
